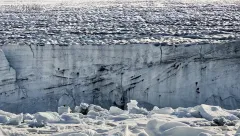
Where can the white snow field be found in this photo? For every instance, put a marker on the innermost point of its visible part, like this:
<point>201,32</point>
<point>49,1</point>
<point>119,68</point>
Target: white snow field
<point>202,120</point>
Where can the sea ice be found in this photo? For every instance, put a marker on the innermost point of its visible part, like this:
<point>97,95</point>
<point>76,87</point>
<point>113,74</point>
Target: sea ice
<point>210,112</point>
<point>185,131</point>
<point>4,119</point>
<point>115,110</point>
<point>166,110</point>
<point>47,117</point>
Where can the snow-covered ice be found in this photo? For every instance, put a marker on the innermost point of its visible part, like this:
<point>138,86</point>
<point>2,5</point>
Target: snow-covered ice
<point>114,122</point>
<point>166,110</point>
<point>4,119</point>
<point>47,117</point>
<point>211,112</point>
<point>160,52</point>
<point>115,110</point>
<point>64,109</point>
<point>72,68</point>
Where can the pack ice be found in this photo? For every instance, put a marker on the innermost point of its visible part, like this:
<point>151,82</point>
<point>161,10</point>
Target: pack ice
<point>94,120</point>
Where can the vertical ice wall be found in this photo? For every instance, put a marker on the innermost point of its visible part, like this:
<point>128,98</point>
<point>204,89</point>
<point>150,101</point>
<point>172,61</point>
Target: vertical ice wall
<point>49,76</point>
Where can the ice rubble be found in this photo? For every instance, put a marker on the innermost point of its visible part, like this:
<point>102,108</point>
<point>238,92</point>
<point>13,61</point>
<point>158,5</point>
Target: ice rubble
<point>47,117</point>
<point>166,110</point>
<point>115,111</point>
<point>238,132</point>
<point>73,118</point>
<point>93,120</point>
<point>183,131</point>
<point>211,112</point>
<point>16,120</point>
<point>4,119</point>
<point>64,109</point>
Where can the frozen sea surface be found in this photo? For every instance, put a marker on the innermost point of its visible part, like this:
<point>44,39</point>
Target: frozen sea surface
<point>135,121</point>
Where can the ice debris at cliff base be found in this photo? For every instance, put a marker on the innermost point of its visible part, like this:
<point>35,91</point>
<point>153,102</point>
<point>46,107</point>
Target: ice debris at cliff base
<point>92,120</point>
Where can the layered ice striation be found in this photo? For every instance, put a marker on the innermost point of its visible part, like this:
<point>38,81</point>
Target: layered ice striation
<point>110,75</point>
<point>108,56</point>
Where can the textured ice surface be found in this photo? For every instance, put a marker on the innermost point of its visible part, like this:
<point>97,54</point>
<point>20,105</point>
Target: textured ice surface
<point>185,131</point>
<point>211,112</point>
<point>47,117</point>
<point>129,124</point>
<point>164,54</point>
<point>115,110</point>
<point>166,110</point>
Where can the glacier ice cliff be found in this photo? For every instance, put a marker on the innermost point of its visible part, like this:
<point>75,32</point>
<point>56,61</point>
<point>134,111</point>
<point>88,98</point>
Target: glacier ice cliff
<point>40,78</point>
<point>162,53</point>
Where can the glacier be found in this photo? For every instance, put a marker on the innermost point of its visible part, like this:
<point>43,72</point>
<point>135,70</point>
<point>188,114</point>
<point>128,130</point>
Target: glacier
<point>160,54</point>
<point>47,77</point>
